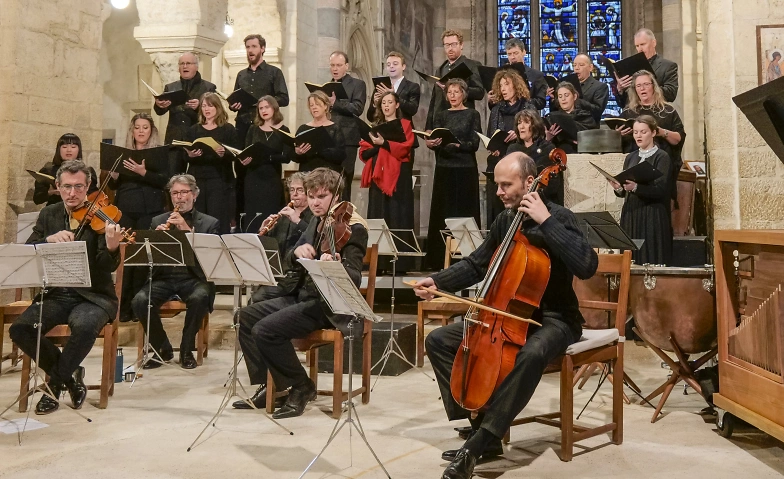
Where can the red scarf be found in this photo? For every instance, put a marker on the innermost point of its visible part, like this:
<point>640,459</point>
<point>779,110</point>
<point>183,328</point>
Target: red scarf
<point>387,170</point>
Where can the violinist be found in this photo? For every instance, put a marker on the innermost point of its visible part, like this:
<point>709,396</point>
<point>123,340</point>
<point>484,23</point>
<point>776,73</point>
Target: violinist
<point>267,328</point>
<point>189,283</point>
<point>555,230</point>
<point>85,310</point>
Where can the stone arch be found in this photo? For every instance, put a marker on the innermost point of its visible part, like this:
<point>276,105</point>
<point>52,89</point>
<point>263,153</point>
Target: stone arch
<point>363,56</point>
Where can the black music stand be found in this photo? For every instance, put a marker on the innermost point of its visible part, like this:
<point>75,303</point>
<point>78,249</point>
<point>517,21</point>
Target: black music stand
<point>602,231</point>
<point>156,248</point>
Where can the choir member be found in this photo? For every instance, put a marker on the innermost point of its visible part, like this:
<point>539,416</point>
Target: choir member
<point>344,113</point>
<point>85,310</point>
<point>595,94</point>
<point>567,102</point>
<point>182,117</point>
<point>453,47</point>
<point>532,140</point>
<point>646,210</point>
<point>267,328</point>
<point>456,177</point>
<point>388,172</point>
<point>188,283</point>
<point>309,158</point>
<point>213,169</point>
<point>263,182</point>
<point>647,98</point>
<point>515,53</point>
<point>69,147</point>
<point>510,96</point>
<point>666,72</point>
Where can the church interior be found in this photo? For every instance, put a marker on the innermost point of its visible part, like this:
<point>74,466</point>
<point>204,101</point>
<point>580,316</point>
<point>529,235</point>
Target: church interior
<point>636,145</point>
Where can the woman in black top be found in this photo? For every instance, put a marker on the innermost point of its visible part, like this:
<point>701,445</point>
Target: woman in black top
<point>263,176</point>
<point>511,96</point>
<point>567,100</point>
<point>456,177</point>
<point>646,211</point>
<point>532,142</point>
<point>213,169</point>
<point>310,158</point>
<point>69,147</point>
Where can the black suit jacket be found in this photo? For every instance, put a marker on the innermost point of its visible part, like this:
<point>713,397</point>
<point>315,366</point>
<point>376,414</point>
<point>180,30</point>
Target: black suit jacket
<point>287,234</point>
<point>344,111</point>
<point>594,99</point>
<point>409,93</point>
<point>666,73</point>
<point>438,101</point>
<point>538,87</point>
<point>54,218</point>
<point>181,117</point>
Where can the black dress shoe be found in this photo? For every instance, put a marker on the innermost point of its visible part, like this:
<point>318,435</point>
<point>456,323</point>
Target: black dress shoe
<point>47,405</point>
<point>187,361</point>
<point>157,361</point>
<point>493,450</point>
<point>462,467</point>
<point>259,399</point>
<point>298,398</point>
<point>76,388</point>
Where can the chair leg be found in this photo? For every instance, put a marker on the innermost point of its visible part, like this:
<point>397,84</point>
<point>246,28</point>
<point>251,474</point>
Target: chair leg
<point>617,435</point>
<point>580,373</point>
<point>567,408</point>
<point>139,342</point>
<point>366,347</point>
<point>337,379</point>
<point>270,394</point>
<point>24,387</point>
<point>200,340</point>
<point>206,326</point>
<point>311,358</point>
<point>107,367</point>
<point>591,369</point>
<point>420,338</point>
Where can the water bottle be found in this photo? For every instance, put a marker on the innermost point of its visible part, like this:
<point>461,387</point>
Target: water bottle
<point>118,366</point>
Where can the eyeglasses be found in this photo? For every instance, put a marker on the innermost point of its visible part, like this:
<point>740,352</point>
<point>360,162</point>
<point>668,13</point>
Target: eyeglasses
<point>183,64</point>
<point>77,188</point>
<point>297,190</point>
<point>451,45</point>
<point>180,193</point>
<point>643,85</point>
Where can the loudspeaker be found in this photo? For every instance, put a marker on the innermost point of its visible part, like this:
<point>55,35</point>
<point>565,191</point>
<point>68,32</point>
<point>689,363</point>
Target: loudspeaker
<point>405,333</point>
<point>689,251</point>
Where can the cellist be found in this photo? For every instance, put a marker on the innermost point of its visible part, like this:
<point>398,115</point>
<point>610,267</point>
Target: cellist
<point>552,228</point>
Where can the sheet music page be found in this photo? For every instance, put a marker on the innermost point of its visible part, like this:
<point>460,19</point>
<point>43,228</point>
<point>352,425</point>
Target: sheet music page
<point>250,258</point>
<point>378,233</point>
<point>19,266</point>
<point>214,258</point>
<point>335,285</point>
<point>65,264</point>
<point>467,233</point>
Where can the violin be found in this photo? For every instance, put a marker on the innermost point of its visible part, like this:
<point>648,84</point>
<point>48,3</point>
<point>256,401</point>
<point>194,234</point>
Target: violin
<point>335,231</point>
<point>273,220</point>
<point>515,283</point>
<point>97,213</point>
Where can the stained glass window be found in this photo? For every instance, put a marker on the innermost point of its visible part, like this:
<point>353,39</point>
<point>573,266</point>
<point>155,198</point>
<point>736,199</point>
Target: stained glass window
<point>604,38</point>
<point>514,21</point>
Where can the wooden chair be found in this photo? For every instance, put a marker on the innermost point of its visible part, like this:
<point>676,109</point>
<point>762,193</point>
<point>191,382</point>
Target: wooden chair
<point>322,337</point>
<point>61,333</point>
<point>594,346</point>
<point>8,313</point>
<point>170,309</point>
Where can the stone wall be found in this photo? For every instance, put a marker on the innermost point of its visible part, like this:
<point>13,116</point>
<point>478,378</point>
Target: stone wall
<point>49,85</point>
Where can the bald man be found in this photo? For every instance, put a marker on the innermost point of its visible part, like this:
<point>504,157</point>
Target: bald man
<point>595,93</point>
<point>181,117</point>
<point>552,228</point>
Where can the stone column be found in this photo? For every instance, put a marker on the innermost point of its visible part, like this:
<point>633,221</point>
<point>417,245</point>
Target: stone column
<point>49,85</point>
<point>329,28</point>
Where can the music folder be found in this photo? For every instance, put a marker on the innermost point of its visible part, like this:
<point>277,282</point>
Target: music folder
<point>602,231</point>
<point>572,78</point>
<point>317,137</point>
<point>258,152</point>
<point>42,177</point>
<point>386,81</point>
<point>642,173</point>
<point>461,71</point>
<point>242,97</point>
<point>444,134</point>
<point>329,88</point>
<point>495,142</point>
<point>565,121</point>
<point>389,130</point>
<point>628,66</point>
<point>176,97</point>
<point>613,123</point>
<point>155,159</point>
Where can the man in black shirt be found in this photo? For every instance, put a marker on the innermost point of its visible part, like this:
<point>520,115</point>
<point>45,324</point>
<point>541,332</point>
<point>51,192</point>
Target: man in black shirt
<point>515,52</point>
<point>666,71</point>
<point>554,229</point>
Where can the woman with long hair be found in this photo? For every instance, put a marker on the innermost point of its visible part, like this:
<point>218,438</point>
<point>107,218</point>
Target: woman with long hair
<point>456,176</point>
<point>532,140</point>
<point>567,101</point>
<point>213,169</point>
<point>69,147</point>
<point>310,158</point>
<point>263,176</point>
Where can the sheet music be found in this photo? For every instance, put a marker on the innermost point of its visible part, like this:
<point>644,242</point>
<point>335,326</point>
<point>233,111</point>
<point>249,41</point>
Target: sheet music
<point>378,233</point>
<point>250,258</point>
<point>335,285</point>
<point>214,258</point>
<point>65,264</point>
<point>24,226</point>
<point>19,266</point>
<point>466,232</point>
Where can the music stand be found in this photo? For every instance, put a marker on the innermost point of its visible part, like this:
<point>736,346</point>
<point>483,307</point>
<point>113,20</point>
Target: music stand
<point>236,260</point>
<point>46,265</point>
<point>467,234</point>
<point>156,248</point>
<point>380,234</point>
<point>273,255</point>
<point>24,226</point>
<point>342,297</point>
<point>602,231</point>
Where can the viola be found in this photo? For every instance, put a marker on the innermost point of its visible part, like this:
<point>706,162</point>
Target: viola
<point>515,283</point>
<point>97,213</point>
<point>335,231</point>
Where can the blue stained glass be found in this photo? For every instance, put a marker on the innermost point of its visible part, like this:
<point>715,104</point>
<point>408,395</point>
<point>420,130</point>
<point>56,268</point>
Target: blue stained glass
<point>604,38</point>
<point>514,21</point>
<point>558,61</point>
<point>558,22</point>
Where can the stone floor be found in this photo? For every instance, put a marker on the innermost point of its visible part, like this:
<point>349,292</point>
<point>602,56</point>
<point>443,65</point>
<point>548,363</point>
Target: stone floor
<point>147,429</point>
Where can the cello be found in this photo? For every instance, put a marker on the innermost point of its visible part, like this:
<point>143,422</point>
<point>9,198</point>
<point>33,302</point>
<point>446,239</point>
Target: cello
<point>515,282</point>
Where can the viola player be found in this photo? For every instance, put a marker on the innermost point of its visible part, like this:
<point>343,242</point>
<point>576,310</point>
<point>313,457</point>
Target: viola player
<point>267,328</point>
<point>552,228</point>
<point>85,310</point>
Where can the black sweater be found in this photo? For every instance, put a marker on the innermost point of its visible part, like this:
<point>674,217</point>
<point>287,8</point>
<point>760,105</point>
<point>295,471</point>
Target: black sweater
<point>570,255</point>
<point>464,124</point>
<point>328,157</point>
<point>209,165</point>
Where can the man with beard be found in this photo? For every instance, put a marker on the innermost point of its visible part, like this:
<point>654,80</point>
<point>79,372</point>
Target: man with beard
<point>181,117</point>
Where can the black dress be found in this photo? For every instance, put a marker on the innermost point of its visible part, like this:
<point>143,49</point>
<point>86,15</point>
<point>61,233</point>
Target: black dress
<point>646,212</point>
<point>331,157</point>
<point>539,151</point>
<point>502,117</point>
<point>584,121</point>
<point>455,179</point>
<point>263,176</point>
<point>214,175</point>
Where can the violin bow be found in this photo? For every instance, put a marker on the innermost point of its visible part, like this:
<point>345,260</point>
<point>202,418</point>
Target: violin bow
<point>475,304</point>
<point>90,205</point>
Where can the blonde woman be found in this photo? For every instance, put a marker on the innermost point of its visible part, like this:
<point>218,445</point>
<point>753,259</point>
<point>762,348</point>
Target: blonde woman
<point>310,156</point>
<point>213,169</point>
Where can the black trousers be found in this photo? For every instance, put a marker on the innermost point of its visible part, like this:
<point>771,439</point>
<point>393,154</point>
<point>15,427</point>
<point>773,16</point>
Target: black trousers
<point>266,331</point>
<point>61,306</point>
<point>542,346</point>
<point>193,291</point>
<point>215,199</point>
<point>348,172</point>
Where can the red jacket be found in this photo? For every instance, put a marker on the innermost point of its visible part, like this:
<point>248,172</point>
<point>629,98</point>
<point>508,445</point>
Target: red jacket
<point>387,169</point>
